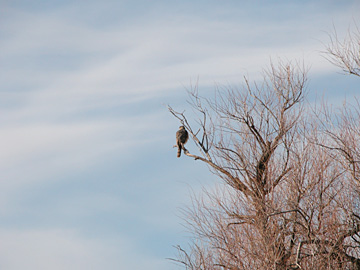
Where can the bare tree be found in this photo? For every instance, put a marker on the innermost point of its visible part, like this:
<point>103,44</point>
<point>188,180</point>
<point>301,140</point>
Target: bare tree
<point>345,53</point>
<point>288,199</point>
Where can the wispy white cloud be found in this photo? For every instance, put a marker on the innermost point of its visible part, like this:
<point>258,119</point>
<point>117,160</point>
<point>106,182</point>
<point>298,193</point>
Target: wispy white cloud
<point>148,57</point>
<point>61,249</point>
<point>68,145</point>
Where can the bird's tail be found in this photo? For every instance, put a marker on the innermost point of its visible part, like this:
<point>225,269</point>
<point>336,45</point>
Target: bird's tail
<point>179,150</point>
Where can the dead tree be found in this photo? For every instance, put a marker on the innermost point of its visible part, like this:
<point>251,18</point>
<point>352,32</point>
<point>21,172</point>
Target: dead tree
<point>291,196</point>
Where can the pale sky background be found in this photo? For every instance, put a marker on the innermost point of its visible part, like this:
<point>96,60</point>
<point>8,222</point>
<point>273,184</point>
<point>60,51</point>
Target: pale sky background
<point>88,176</point>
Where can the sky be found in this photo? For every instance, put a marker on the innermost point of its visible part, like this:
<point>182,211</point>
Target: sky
<point>88,175</point>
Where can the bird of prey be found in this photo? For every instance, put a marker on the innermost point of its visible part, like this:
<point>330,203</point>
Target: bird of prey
<point>181,138</point>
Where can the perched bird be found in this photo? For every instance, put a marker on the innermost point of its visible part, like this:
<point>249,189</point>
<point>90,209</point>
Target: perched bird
<point>181,138</point>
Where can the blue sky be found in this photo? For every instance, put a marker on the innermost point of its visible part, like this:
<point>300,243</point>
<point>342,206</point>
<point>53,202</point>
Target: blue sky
<point>88,175</point>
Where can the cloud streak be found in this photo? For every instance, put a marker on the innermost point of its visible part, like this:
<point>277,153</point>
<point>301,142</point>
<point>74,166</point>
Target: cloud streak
<point>65,249</point>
